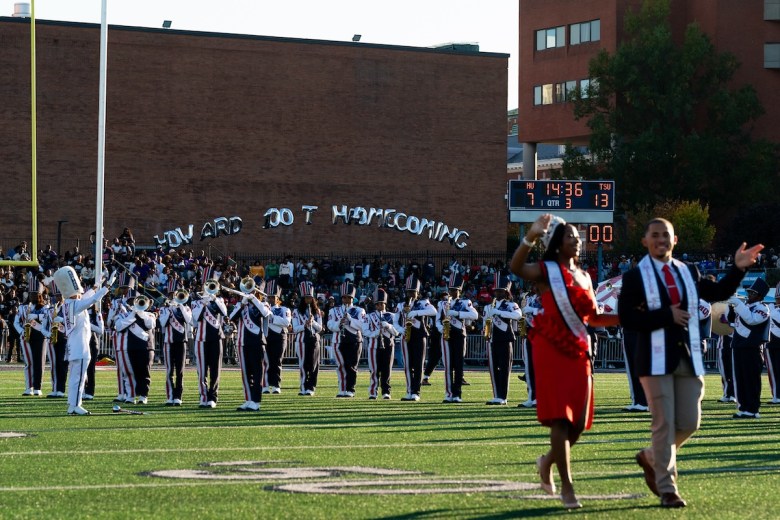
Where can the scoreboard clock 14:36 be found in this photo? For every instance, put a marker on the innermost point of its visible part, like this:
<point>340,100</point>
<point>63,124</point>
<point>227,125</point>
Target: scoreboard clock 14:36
<point>575,200</point>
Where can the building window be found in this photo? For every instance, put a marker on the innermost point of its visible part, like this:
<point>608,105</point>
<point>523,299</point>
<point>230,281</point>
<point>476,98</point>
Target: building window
<point>585,32</point>
<point>551,38</point>
<point>554,93</point>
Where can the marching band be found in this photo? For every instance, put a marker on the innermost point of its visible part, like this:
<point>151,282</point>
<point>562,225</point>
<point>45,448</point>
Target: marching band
<point>264,325</point>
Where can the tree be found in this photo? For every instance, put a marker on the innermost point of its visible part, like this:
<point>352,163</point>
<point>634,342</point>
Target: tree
<point>689,218</point>
<point>666,125</point>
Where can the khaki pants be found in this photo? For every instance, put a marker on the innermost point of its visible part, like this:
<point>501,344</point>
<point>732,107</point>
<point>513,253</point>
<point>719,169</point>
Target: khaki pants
<point>675,405</point>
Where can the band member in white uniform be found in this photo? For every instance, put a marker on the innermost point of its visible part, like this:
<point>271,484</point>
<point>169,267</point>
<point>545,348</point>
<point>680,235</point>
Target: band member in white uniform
<point>253,316</point>
<point>452,318</point>
<point>32,324</point>
<point>532,306</point>
<point>208,314</point>
<point>77,330</point>
<point>335,319</point>
<point>139,325</point>
<point>772,351</point>
<point>119,307</point>
<point>410,323</point>
<point>58,346</point>
<point>276,340</point>
<point>307,325</point>
<point>378,328</point>
<point>97,329</point>
<point>350,342</point>
<point>504,315</point>
<point>751,331</point>
<point>176,323</point>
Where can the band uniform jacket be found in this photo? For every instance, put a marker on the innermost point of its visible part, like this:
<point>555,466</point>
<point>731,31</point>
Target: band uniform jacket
<point>175,321</point>
<point>634,313</point>
<point>751,326</point>
<point>466,313</point>
<point>505,315</point>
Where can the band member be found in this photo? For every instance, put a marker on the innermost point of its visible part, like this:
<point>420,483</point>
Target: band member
<point>335,318</point>
<point>411,324</point>
<point>97,328</point>
<point>32,324</point>
<point>503,315</point>
<point>307,325</point>
<point>378,328</point>
<point>452,318</point>
<point>76,323</point>
<point>532,306</point>
<point>121,306</point>
<point>433,356</point>
<point>208,314</point>
<point>58,347</point>
<point>751,331</point>
<point>350,328</point>
<point>253,318</point>
<point>725,357</point>
<point>139,325</point>
<point>772,351</point>
<point>278,323</point>
<point>176,323</point>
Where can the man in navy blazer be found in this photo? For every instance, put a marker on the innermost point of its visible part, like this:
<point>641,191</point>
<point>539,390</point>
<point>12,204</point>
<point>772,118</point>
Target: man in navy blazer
<point>659,299</point>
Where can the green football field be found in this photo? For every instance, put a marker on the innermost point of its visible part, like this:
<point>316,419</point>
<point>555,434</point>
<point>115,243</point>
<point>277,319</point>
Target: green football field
<point>324,457</point>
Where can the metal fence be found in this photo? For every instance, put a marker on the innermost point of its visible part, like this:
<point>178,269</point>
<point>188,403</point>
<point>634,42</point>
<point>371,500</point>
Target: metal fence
<point>609,352</point>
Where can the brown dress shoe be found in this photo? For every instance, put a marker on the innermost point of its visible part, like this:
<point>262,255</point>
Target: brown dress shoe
<point>672,500</point>
<point>641,459</point>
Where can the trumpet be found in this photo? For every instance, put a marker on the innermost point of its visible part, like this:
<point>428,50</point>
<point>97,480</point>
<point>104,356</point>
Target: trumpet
<point>446,324</point>
<point>141,303</point>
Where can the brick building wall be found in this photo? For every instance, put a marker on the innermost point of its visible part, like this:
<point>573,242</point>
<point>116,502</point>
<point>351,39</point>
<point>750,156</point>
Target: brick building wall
<point>202,126</point>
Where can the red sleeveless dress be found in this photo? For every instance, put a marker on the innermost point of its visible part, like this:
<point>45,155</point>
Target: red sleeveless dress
<point>564,386</point>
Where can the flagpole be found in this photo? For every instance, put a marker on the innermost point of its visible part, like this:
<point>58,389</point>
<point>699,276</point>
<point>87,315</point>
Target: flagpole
<point>101,144</point>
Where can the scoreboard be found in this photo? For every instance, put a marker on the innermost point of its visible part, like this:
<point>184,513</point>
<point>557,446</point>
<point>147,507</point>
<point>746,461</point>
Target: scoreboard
<point>585,202</point>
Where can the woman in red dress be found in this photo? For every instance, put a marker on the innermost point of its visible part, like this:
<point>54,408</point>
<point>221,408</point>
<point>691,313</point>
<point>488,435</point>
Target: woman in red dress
<point>561,355</point>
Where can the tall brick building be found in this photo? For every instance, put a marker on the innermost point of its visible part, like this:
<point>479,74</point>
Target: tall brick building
<point>204,126</point>
<point>558,38</point>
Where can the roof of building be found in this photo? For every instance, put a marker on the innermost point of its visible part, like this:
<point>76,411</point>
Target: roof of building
<point>460,49</point>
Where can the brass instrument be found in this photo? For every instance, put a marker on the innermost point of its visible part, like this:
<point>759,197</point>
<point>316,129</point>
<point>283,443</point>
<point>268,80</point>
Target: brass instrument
<point>446,323</point>
<point>141,303</point>
<point>55,332</point>
<point>487,330</point>
<point>181,296</point>
<point>408,323</point>
<point>27,331</point>
<point>523,328</point>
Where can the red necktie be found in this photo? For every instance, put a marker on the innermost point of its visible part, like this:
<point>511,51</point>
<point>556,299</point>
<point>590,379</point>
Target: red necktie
<point>674,294</point>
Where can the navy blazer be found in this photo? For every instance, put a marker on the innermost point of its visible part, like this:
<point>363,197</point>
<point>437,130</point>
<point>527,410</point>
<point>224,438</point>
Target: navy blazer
<point>634,315</point>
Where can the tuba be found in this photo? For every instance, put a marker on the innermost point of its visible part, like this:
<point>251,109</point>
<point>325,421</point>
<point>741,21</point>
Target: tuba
<point>141,303</point>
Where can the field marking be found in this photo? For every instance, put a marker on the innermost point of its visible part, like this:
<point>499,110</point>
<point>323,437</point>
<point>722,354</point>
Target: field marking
<point>12,435</point>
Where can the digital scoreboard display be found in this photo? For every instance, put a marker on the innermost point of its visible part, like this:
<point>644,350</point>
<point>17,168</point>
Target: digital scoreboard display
<point>559,195</point>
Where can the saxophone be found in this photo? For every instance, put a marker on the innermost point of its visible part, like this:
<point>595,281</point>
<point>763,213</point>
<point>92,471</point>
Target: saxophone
<point>408,323</point>
<point>446,324</point>
<point>55,327</point>
<point>487,330</point>
<point>27,330</point>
